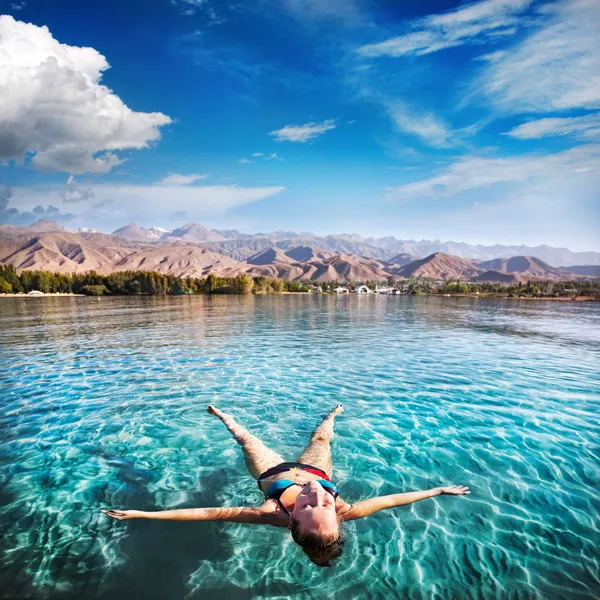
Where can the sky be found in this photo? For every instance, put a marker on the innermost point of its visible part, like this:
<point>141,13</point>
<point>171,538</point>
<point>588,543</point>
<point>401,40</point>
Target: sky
<point>475,122</point>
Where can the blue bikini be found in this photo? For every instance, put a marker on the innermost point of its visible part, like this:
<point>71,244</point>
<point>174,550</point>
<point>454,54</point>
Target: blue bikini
<point>277,488</point>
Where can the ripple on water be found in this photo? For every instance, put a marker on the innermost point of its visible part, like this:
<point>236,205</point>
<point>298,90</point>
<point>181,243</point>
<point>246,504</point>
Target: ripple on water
<point>103,404</point>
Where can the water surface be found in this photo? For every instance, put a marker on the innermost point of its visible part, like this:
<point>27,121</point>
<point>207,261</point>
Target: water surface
<point>103,404</point>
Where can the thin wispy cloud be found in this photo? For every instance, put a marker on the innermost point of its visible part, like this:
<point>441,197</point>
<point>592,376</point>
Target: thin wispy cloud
<point>260,156</point>
<point>302,133</point>
<point>557,67</point>
<point>587,127</point>
<point>471,24</point>
<point>144,202</point>
<point>179,179</point>
<point>470,173</point>
<point>430,129</point>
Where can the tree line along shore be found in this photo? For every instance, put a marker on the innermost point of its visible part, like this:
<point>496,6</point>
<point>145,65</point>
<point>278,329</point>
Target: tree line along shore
<point>153,283</point>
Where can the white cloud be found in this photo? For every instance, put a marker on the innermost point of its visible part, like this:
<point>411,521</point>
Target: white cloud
<point>178,179</point>
<point>587,127</point>
<point>302,133</point>
<point>432,130</point>
<point>257,154</point>
<point>555,68</point>
<point>471,24</point>
<point>53,105</point>
<point>245,161</point>
<point>145,203</point>
<point>470,173</point>
<point>492,56</point>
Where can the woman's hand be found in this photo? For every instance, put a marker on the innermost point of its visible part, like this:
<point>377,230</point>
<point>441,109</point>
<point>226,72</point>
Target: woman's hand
<point>454,490</point>
<point>122,515</point>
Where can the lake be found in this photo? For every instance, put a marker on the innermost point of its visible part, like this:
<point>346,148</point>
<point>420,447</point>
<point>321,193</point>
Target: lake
<point>103,405</point>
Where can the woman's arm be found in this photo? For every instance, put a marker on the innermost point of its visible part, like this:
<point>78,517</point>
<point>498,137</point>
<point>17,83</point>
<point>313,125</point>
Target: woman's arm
<point>368,507</point>
<point>236,515</point>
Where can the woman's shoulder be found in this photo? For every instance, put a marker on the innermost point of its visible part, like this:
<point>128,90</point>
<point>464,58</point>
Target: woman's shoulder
<point>342,507</point>
<point>273,514</point>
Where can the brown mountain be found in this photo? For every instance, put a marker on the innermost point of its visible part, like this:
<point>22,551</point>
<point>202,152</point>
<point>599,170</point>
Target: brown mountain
<point>270,256</point>
<point>317,265</point>
<point>402,259</point>
<point>529,267</point>
<point>195,233</point>
<point>440,266</point>
<point>181,260</point>
<point>306,253</point>
<point>41,226</point>
<point>63,252</point>
<point>585,270</point>
<point>500,277</point>
<point>135,233</point>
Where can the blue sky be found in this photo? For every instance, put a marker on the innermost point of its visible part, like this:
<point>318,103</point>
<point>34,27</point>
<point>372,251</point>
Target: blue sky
<point>474,122</point>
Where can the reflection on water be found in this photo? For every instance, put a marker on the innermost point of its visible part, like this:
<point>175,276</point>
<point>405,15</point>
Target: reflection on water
<point>103,405</point>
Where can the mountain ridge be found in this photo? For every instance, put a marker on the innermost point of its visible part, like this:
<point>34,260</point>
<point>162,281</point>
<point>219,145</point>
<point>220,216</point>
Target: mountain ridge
<point>67,252</point>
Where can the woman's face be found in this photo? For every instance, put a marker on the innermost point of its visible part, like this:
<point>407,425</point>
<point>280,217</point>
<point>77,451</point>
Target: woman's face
<point>315,510</point>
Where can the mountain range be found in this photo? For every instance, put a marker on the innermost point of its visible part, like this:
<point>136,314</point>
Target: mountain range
<point>240,246</point>
<point>194,250</point>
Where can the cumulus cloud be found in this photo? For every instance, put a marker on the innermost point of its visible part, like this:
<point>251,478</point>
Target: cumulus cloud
<point>586,127</point>
<point>474,23</point>
<point>557,67</point>
<point>302,133</point>
<point>470,173</point>
<point>178,179</point>
<point>73,194</point>
<point>52,105</point>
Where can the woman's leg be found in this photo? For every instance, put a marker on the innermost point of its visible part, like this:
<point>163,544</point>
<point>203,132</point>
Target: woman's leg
<point>258,457</point>
<point>318,452</point>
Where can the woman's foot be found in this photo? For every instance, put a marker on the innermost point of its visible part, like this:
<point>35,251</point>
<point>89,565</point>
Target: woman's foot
<point>216,412</point>
<point>338,409</point>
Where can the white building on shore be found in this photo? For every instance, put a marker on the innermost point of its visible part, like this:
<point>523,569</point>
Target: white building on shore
<point>362,289</point>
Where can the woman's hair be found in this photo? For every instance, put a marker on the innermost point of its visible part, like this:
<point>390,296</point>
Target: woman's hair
<point>321,549</point>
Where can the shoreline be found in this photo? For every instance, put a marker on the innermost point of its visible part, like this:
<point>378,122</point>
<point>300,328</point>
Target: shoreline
<point>48,295</point>
<point>486,297</point>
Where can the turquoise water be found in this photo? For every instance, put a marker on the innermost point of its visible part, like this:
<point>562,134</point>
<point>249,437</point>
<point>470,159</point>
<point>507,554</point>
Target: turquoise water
<point>103,404</point>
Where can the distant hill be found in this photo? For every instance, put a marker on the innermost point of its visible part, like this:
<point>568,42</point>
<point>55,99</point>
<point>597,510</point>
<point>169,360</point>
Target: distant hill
<point>586,270</point>
<point>181,260</point>
<point>304,263</point>
<point>528,266</point>
<point>441,266</point>
<point>64,252</point>
<point>41,226</point>
<point>500,277</point>
<point>135,233</point>
<point>402,259</point>
<point>194,232</point>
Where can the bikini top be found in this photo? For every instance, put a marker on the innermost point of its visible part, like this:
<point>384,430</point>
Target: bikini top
<point>277,488</point>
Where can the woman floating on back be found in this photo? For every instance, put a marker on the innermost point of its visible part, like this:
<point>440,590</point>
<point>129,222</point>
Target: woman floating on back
<point>299,496</point>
